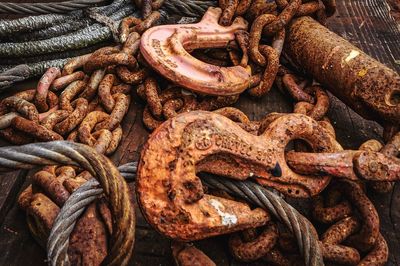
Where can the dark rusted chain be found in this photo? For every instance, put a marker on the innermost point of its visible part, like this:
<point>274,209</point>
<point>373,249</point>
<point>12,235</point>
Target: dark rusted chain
<point>115,189</point>
<point>9,77</point>
<point>46,8</point>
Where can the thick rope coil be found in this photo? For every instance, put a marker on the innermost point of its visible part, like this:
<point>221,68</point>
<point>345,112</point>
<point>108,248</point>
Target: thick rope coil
<point>114,188</point>
<point>103,19</point>
<point>18,73</point>
<point>252,192</point>
<point>53,22</point>
<point>46,8</point>
<point>192,8</point>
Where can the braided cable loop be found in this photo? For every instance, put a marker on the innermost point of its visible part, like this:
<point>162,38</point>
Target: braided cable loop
<point>114,187</point>
<point>46,8</point>
<point>304,232</point>
<point>193,8</point>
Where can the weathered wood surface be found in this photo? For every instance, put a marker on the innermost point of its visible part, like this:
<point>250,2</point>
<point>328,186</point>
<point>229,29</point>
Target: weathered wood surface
<point>366,23</point>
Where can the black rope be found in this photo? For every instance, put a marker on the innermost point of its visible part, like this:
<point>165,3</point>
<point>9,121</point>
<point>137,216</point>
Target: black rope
<point>46,8</point>
<point>191,8</point>
<point>9,77</point>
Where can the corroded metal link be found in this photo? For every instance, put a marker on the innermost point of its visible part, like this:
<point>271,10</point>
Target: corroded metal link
<point>125,24</point>
<point>340,254</point>
<point>87,126</point>
<point>341,230</point>
<point>256,248</point>
<point>259,7</point>
<point>52,186</point>
<point>255,37</point>
<point>283,18</point>
<point>80,106</point>
<point>35,130</point>
<point>187,255</point>
<point>331,214</point>
<point>242,38</point>
<point>29,95</point>
<point>42,90</point>
<point>104,92</point>
<point>379,255</point>
<point>70,93</point>
<point>270,71</point>
<point>93,84</point>
<point>22,106</point>
<point>368,235</point>
<point>103,139</point>
<point>120,109</point>
<point>392,148</point>
<point>108,56</point>
<point>152,97</point>
<point>75,63</point>
<point>64,81</point>
<point>15,137</point>
<point>171,102</point>
<point>289,81</point>
<point>229,9</point>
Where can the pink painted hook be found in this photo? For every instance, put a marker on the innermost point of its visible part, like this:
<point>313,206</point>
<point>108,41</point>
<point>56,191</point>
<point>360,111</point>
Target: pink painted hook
<point>166,48</point>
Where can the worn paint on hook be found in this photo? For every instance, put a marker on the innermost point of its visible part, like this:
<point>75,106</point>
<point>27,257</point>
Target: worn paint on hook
<point>227,218</point>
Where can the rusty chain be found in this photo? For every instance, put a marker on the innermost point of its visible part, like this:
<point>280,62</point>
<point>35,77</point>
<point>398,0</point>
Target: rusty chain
<point>85,102</point>
<point>268,19</point>
<point>76,155</point>
<point>248,50</point>
<point>250,192</point>
<point>65,103</point>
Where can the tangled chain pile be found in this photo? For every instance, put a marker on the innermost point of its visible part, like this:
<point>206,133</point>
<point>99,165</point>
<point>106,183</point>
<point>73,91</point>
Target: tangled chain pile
<point>353,236</point>
<point>268,20</point>
<point>86,103</point>
<point>95,99</point>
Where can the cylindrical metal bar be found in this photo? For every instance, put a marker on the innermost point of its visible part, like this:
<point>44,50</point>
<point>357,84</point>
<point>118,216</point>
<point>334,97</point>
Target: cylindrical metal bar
<point>369,87</point>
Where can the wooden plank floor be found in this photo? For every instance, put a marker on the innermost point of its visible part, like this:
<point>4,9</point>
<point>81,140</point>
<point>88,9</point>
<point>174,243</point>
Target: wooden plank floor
<point>366,23</point>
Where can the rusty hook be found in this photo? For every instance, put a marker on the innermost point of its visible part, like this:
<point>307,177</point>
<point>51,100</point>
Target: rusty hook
<point>171,195</point>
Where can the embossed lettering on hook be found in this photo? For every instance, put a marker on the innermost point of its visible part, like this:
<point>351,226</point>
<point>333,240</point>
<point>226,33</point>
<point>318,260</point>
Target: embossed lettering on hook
<point>166,48</point>
<point>171,195</point>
